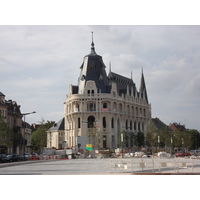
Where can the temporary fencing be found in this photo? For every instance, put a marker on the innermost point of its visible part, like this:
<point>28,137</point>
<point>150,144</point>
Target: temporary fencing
<point>153,165</point>
<point>46,157</point>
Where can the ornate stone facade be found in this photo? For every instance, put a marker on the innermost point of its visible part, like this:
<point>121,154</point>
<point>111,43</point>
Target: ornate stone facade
<point>104,106</point>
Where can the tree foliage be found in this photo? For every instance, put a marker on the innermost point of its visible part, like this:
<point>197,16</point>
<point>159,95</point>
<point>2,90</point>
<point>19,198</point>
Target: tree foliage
<point>187,139</point>
<point>39,137</point>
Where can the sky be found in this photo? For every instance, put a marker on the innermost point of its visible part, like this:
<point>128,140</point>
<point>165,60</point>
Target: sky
<point>38,63</point>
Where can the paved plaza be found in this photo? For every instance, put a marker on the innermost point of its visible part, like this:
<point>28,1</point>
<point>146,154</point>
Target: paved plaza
<point>104,166</point>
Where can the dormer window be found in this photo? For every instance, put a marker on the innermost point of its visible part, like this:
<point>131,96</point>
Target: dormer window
<point>100,77</point>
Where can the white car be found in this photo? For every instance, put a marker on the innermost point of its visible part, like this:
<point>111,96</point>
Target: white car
<point>162,154</point>
<point>139,154</point>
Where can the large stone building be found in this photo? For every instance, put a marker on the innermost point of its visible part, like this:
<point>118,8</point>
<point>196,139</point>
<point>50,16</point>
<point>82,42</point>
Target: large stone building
<point>19,138</point>
<point>102,106</point>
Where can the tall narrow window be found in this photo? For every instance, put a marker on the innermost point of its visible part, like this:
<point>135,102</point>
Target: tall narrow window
<point>126,124</point>
<point>130,125</point>
<point>79,122</point>
<point>104,122</point>
<point>112,123</point>
<point>91,120</point>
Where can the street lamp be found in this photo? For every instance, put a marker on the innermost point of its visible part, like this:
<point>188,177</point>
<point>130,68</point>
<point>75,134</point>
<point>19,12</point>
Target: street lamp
<point>122,140</point>
<point>171,146</point>
<point>24,114</point>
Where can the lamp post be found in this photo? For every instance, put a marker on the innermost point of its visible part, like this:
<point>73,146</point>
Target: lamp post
<point>158,142</point>
<point>24,114</point>
<point>122,139</point>
<point>171,146</point>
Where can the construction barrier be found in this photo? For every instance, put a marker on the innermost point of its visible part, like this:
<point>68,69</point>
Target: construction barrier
<point>53,157</point>
<point>158,165</point>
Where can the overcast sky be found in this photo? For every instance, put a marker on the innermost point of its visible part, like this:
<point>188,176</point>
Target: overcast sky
<point>38,63</point>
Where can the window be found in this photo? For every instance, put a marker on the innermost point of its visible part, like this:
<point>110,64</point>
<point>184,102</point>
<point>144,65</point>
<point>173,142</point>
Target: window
<point>126,124</point>
<point>104,105</point>
<point>130,125</point>
<point>90,122</point>
<point>135,126</point>
<point>112,123</point>
<point>91,106</point>
<point>79,122</point>
<point>104,122</point>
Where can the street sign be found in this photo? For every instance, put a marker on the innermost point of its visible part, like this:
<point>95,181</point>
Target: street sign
<point>88,147</point>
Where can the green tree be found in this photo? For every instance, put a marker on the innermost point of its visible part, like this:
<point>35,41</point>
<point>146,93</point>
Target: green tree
<point>140,139</point>
<point>39,137</point>
<point>195,137</point>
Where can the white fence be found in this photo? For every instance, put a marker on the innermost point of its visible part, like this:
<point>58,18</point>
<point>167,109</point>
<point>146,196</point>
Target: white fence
<point>151,165</point>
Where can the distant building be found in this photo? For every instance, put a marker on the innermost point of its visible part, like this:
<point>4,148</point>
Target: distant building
<point>177,127</point>
<point>12,115</point>
<point>56,136</point>
<point>159,125</point>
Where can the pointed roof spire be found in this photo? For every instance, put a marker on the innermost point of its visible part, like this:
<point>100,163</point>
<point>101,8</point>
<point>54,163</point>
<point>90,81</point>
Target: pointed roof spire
<point>92,48</point>
<point>110,67</point>
<point>143,91</point>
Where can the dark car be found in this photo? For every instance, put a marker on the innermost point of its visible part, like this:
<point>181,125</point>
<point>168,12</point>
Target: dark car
<point>2,156</point>
<point>11,158</point>
<point>25,157</point>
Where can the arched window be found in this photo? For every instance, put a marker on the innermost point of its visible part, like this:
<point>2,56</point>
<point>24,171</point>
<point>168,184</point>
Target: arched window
<point>126,124</point>
<point>90,122</point>
<point>139,126</point>
<point>135,126</point>
<point>130,125</point>
<point>112,123</point>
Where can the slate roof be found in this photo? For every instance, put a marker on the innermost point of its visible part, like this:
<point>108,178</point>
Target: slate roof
<point>122,82</point>
<point>1,94</point>
<point>93,69</point>
<point>59,126</point>
<point>159,124</point>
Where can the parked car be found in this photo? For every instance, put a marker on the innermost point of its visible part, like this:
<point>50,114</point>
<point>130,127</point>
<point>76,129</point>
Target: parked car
<point>139,154</point>
<point>34,156</point>
<point>195,152</point>
<point>182,154</point>
<point>26,156</point>
<point>162,154</point>
<point>11,158</point>
<point>2,156</point>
